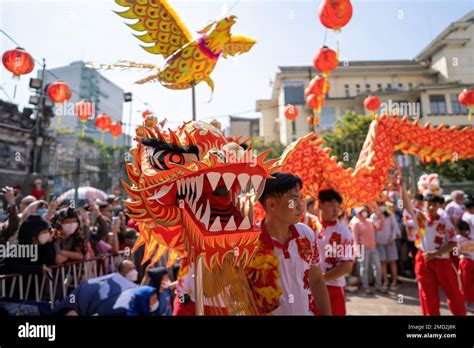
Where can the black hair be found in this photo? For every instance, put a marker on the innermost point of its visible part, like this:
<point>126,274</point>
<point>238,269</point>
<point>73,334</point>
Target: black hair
<point>30,228</point>
<point>469,203</point>
<point>130,233</point>
<point>418,197</point>
<point>329,195</point>
<point>462,226</point>
<point>434,199</point>
<point>281,184</point>
<point>102,205</point>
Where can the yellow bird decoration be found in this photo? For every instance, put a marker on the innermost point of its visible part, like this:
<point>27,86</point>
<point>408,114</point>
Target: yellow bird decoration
<point>187,62</point>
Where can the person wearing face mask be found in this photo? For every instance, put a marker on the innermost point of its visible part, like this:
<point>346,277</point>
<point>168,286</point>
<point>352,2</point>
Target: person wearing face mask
<point>107,295</point>
<point>128,270</point>
<point>363,230</point>
<point>144,302</point>
<point>33,231</point>
<point>69,243</point>
<point>159,279</point>
<point>385,238</point>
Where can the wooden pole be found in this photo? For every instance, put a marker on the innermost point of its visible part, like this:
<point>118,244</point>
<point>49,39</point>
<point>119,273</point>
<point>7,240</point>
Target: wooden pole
<point>198,285</point>
<point>193,88</point>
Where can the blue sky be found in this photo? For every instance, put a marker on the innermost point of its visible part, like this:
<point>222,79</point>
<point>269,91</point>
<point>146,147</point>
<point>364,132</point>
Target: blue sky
<point>287,33</point>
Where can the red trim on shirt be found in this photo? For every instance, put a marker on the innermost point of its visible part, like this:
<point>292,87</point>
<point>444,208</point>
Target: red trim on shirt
<point>328,223</point>
<point>267,239</point>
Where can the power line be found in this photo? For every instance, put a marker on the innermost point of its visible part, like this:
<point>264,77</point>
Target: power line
<point>136,95</point>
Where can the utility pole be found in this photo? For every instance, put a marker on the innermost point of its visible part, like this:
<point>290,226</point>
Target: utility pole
<point>39,110</point>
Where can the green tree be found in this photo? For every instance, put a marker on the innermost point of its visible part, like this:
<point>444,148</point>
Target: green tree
<point>347,137</point>
<point>260,146</point>
<point>453,172</point>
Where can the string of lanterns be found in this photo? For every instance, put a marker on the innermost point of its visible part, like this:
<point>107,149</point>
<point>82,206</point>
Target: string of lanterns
<point>20,62</point>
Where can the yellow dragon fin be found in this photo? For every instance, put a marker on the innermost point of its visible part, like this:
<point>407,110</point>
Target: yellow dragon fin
<point>160,23</point>
<point>237,45</point>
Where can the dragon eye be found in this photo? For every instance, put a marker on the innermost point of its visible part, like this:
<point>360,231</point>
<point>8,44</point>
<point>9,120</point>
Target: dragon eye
<point>166,159</point>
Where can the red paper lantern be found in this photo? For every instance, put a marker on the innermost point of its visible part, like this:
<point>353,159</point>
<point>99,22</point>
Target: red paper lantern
<point>334,14</point>
<point>315,101</point>
<point>318,85</point>
<point>325,60</point>
<point>466,98</point>
<point>291,112</point>
<point>59,92</point>
<point>372,103</point>
<point>103,122</point>
<point>84,110</point>
<point>18,61</point>
<point>146,113</point>
<point>115,129</point>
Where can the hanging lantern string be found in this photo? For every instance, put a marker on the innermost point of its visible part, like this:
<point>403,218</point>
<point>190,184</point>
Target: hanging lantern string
<point>54,75</point>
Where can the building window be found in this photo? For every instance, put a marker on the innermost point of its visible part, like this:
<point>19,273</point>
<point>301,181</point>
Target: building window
<point>437,104</point>
<point>379,87</point>
<point>457,108</point>
<point>410,85</point>
<point>400,86</point>
<point>327,118</point>
<point>347,91</point>
<point>294,92</point>
<point>357,89</point>
<point>367,87</point>
<point>389,86</point>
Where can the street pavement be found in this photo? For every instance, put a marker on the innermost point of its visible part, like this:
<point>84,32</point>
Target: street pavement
<point>403,301</point>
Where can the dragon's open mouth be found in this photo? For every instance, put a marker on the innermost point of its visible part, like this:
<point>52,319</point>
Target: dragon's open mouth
<point>221,201</point>
<point>218,200</point>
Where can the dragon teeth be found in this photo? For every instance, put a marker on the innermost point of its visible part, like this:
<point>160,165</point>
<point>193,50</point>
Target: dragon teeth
<point>198,213</point>
<point>245,225</point>
<point>229,180</point>
<point>207,215</point>
<point>188,183</point>
<point>243,181</point>
<point>260,190</point>
<point>256,180</point>
<point>216,225</point>
<point>230,225</point>
<point>193,205</point>
<point>178,187</point>
<point>250,215</point>
<point>199,186</point>
<point>213,179</point>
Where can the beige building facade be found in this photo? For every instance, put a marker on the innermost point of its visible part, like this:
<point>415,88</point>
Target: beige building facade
<point>424,88</point>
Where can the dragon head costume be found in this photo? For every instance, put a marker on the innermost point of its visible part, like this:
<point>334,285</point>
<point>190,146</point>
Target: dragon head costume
<point>190,192</point>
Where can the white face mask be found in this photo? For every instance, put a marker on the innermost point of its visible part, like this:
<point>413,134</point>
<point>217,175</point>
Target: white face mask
<point>43,238</point>
<point>154,307</point>
<point>132,275</point>
<point>364,214</point>
<point>70,228</point>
